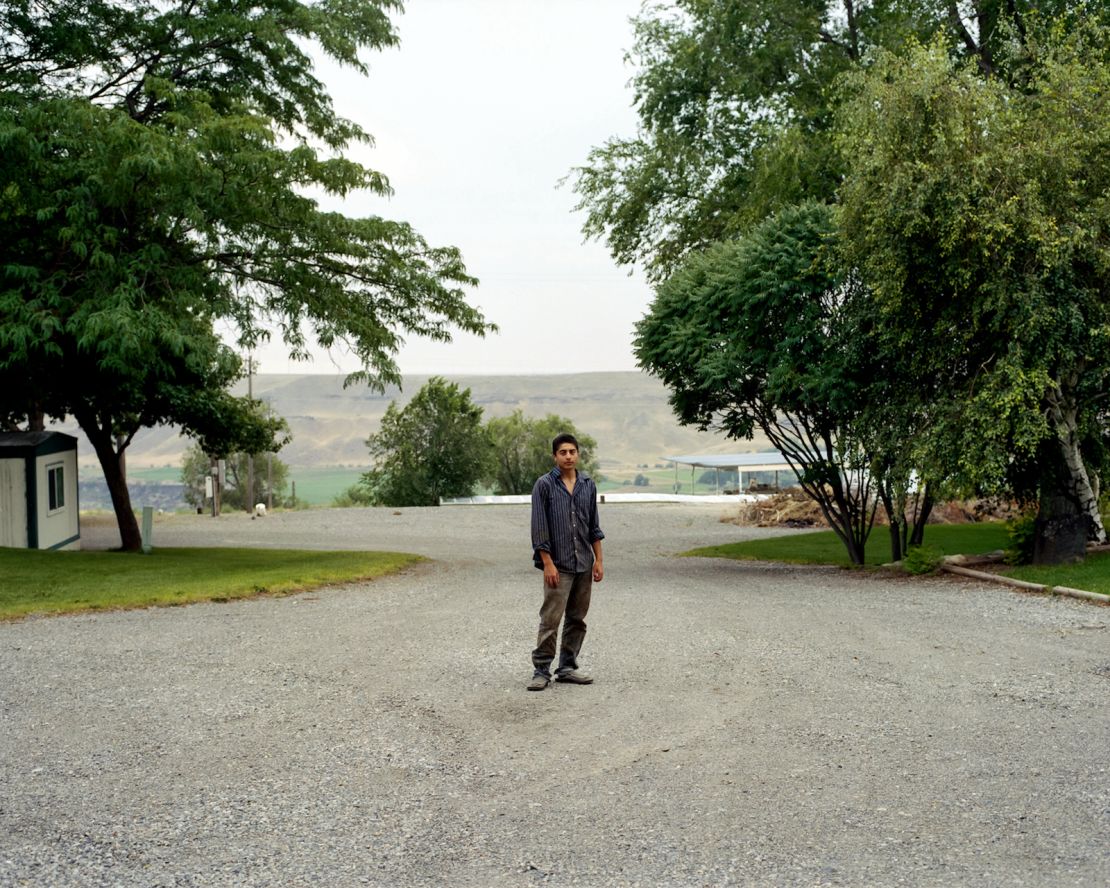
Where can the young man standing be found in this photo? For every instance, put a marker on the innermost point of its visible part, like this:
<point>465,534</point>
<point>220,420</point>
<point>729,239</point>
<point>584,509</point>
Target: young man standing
<point>566,545</point>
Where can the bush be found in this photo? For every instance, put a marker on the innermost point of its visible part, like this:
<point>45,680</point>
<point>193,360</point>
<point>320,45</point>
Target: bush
<point>521,448</point>
<point>355,495</point>
<point>922,560</point>
<point>433,448</point>
<point>1022,534</point>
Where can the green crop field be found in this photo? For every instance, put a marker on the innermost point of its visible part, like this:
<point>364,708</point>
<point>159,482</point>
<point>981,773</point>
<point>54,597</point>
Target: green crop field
<point>155,474</point>
<point>317,486</point>
<point>146,474</point>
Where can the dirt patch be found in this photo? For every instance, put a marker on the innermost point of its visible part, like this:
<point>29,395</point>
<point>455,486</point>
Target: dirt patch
<point>793,508</point>
<point>975,510</point>
<point>789,508</point>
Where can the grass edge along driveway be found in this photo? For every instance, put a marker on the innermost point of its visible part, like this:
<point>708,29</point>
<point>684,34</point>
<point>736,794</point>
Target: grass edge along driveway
<point>823,547</point>
<point>41,582</point>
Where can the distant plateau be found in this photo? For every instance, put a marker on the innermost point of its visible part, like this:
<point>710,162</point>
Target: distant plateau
<point>626,413</point>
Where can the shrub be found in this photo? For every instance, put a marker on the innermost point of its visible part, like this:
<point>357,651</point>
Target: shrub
<point>355,495</point>
<point>1022,534</point>
<point>922,560</point>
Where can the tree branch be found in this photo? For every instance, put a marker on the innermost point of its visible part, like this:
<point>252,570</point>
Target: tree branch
<point>957,23</point>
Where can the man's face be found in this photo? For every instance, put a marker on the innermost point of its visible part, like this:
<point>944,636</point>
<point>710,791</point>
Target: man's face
<point>566,457</point>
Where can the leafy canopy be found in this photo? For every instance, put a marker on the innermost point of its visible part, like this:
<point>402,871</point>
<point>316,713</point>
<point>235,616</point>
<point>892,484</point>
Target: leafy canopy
<point>977,211</point>
<point>434,447</point>
<point>170,147</point>
<point>735,101</point>
<point>157,162</point>
<point>763,333</point>
<point>521,447</point>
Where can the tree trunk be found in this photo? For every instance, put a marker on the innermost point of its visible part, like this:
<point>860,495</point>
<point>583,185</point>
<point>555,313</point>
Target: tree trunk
<point>1061,531</point>
<point>917,538</point>
<point>1082,491</point>
<point>856,551</point>
<point>1062,526</point>
<point>215,469</point>
<point>845,516</point>
<point>896,549</point>
<point>842,496</point>
<point>894,521</point>
<point>1075,484</point>
<point>837,517</point>
<point>111,463</point>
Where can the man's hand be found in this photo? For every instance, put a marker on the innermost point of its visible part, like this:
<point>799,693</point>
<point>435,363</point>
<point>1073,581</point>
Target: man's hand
<point>550,574</point>
<point>599,572</point>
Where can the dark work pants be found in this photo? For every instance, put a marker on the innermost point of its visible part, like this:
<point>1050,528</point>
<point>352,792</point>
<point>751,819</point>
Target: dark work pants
<point>568,602</point>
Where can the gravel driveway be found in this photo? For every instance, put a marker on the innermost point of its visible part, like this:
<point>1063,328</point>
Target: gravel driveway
<point>751,724</point>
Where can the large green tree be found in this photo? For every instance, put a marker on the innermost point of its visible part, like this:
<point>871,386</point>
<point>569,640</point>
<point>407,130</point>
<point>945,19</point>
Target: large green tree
<point>977,210</point>
<point>156,167</point>
<point>737,104</point>
<point>766,333</point>
<point>521,448</point>
<point>734,99</point>
<point>434,447</point>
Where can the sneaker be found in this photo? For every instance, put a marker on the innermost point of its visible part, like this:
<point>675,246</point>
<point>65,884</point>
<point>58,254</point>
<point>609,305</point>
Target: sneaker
<point>574,677</point>
<point>538,682</point>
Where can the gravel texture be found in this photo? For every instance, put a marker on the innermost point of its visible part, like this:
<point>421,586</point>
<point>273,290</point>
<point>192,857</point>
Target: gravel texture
<point>751,724</point>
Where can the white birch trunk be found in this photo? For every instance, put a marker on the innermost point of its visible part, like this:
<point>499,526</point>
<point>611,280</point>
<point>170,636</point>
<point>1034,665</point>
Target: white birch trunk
<point>1063,413</point>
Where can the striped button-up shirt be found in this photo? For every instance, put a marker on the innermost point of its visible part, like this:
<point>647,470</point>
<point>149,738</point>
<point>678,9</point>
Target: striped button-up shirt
<point>565,525</point>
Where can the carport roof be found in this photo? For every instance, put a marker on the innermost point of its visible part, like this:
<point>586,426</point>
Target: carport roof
<point>771,461</point>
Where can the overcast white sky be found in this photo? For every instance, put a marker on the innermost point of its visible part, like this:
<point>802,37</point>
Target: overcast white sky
<point>476,116</point>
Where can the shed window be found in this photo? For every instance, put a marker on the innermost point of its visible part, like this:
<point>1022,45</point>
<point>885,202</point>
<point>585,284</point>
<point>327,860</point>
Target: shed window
<point>55,481</point>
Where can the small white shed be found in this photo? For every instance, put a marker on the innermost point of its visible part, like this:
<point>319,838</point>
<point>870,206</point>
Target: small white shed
<point>38,491</point>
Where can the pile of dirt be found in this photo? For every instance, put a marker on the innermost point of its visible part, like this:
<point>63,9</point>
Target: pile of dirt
<point>793,508</point>
<point>788,508</point>
<point>974,510</point>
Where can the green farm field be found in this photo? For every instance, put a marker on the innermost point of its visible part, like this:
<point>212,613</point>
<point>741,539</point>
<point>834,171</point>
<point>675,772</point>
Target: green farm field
<point>319,485</point>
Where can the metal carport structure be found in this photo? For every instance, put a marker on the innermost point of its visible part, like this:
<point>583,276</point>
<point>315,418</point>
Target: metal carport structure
<point>770,461</point>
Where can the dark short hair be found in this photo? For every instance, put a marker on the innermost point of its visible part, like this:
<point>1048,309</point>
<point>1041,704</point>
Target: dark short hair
<point>564,438</point>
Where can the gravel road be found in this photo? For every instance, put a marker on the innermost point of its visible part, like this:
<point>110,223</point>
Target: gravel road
<point>751,724</point>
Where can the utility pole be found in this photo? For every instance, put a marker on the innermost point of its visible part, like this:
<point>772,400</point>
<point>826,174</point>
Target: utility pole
<point>215,475</point>
<point>248,500</point>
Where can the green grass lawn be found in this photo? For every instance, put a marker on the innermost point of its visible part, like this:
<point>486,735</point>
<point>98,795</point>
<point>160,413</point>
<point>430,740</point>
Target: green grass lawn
<point>63,582</point>
<point>1093,575</point>
<point>824,547</point>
